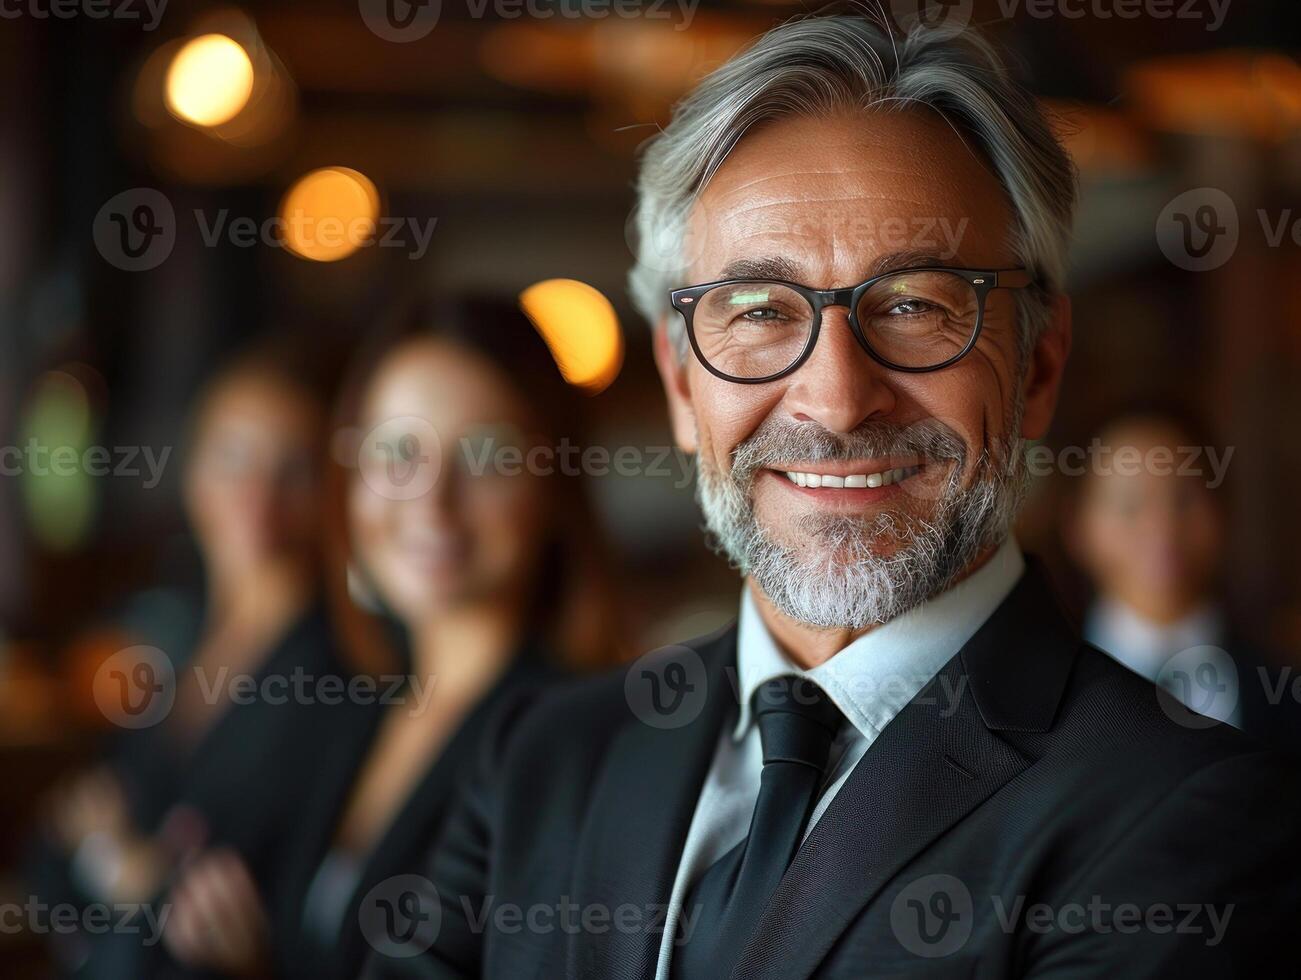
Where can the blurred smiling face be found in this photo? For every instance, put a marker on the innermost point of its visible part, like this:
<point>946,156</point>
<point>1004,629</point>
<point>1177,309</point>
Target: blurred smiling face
<point>252,479</point>
<point>847,491</point>
<point>430,533</point>
<point>1150,539</point>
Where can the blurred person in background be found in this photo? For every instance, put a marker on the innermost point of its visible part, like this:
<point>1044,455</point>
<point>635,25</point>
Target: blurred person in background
<point>210,763</point>
<point>1148,526</point>
<point>493,579</point>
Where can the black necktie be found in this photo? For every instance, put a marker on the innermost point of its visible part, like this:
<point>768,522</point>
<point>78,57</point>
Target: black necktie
<point>797,723</point>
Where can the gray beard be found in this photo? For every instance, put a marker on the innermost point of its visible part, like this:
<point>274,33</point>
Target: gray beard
<point>836,580</point>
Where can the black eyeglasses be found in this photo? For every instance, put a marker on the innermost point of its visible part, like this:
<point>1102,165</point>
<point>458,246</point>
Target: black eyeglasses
<point>915,320</point>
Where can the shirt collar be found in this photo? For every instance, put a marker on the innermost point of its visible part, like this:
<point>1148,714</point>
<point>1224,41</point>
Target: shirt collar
<point>875,676</point>
<point>1144,646</point>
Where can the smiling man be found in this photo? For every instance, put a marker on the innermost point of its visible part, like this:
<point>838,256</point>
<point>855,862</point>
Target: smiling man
<point>901,760</point>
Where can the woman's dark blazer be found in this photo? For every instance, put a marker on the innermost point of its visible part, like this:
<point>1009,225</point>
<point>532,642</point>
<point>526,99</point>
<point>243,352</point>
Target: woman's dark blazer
<point>243,782</point>
<point>398,851</point>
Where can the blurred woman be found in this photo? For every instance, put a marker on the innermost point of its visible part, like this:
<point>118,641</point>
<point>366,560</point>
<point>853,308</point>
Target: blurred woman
<point>214,760</point>
<point>489,569</point>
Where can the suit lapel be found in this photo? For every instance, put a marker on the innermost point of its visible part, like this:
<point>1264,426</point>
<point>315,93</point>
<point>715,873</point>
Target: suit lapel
<point>932,765</point>
<point>643,802</point>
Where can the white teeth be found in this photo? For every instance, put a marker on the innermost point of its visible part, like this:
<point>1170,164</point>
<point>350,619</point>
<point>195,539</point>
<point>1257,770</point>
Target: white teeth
<point>854,480</point>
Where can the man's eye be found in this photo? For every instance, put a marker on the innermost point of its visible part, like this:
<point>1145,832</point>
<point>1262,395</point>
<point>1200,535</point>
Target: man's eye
<point>910,307</point>
<point>761,314</point>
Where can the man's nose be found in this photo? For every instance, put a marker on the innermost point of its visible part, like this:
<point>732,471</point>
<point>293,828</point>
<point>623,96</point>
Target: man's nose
<point>839,386</point>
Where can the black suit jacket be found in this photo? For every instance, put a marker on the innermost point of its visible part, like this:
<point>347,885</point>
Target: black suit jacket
<point>399,847</point>
<point>247,778</point>
<point>1013,819</point>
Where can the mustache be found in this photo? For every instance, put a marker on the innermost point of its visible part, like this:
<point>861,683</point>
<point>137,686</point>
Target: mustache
<point>781,439</point>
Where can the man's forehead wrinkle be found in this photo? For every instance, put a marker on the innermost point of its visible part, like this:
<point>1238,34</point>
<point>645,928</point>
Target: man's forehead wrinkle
<point>809,181</point>
<point>806,173</point>
<point>921,207</point>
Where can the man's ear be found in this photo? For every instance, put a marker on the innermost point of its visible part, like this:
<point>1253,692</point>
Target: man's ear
<point>1043,379</point>
<point>673,373</point>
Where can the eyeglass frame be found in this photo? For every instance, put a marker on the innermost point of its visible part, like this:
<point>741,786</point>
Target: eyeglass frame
<point>981,280</point>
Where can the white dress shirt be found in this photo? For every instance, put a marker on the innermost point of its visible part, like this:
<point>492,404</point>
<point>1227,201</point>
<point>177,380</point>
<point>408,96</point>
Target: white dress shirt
<point>870,681</point>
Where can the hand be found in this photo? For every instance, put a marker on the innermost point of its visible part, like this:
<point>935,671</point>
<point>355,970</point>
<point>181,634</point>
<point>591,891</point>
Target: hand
<point>217,920</point>
<point>90,803</point>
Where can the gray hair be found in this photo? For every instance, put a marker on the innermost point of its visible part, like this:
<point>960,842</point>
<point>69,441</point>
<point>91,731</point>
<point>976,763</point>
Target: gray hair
<point>818,64</point>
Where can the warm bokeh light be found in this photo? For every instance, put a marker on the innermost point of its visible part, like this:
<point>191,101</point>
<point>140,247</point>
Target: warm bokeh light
<point>1247,93</point>
<point>581,328</point>
<point>209,81</point>
<point>329,214</point>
